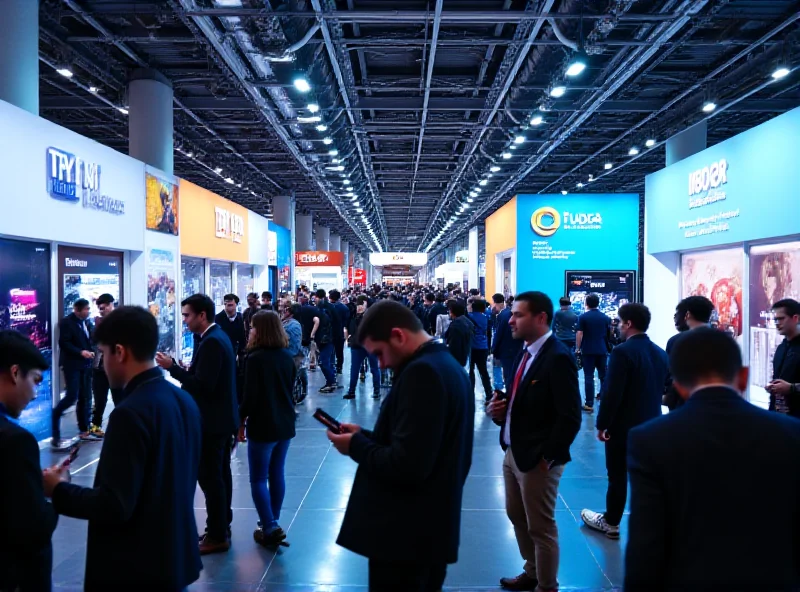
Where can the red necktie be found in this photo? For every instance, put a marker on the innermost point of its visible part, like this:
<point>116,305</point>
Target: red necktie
<point>520,373</point>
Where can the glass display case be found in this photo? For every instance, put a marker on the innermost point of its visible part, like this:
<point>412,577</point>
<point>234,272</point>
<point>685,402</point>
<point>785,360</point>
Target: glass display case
<point>193,279</point>
<point>245,283</point>
<point>220,282</point>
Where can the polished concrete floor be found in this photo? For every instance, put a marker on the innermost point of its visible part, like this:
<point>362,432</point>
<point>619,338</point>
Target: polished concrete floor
<point>318,486</point>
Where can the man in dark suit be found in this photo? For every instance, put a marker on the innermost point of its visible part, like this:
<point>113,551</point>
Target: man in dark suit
<point>691,313</point>
<point>591,342</point>
<point>694,470</point>
<point>100,386</point>
<point>458,336</point>
<point>142,529</point>
<point>434,313</point>
<point>413,465</point>
<point>342,314</point>
<point>505,348</point>
<point>634,386</point>
<point>211,380</point>
<point>75,359</point>
<point>231,322</point>
<point>539,419</point>
<point>27,521</point>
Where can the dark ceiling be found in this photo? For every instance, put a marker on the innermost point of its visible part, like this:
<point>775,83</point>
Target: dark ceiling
<point>420,98</point>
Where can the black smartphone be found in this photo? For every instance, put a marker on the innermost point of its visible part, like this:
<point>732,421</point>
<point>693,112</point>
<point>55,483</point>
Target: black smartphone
<point>328,421</point>
<point>73,454</point>
<point>500,394</point>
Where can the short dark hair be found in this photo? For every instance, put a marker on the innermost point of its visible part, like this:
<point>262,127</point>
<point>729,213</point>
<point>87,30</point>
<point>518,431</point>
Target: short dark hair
<point>80,304</point>
<point>18,350</point>
<point>266,295</point>
<point>440,297</point>
<point>538,302</point>
<point>104,299</point>
<point>592,301</point>
<point>475,292</point>
<point>704,353</point>
<point>295,310</point>
<point>132,327</point>
<point>334,295</point>
<point>362,299</point>
<point>498,299</point>
<point>321,293</point>
<point>791,306</point>
<point>564,301</point>
<point>456,307</point>
<point>200,303</point>
<point>429,297</point>
<point>700,307</point>
<point>479,305</point>
<point>638,314</point>
<point>252,295</point>
<point>230,298</point>
<point>382,317</point>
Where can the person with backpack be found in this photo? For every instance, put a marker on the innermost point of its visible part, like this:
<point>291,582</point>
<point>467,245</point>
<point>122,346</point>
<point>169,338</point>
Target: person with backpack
<point>480,346</point>
<point>322,336</point>
<point>358,354</point>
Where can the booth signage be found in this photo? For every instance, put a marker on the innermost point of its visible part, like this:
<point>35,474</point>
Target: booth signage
<point>229,225</point>
<point>70,178</point>
<point>359,277</point>
<point>384,259</point>
<point>318,259</point>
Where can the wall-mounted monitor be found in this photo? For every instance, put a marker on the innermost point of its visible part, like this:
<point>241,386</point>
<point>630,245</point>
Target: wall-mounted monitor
<point>614,288</point>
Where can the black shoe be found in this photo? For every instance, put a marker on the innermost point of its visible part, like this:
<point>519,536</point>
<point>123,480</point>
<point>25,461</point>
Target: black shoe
<point>376,395</point>
<point>349,396</point>
<point>274,539</point>
<point>328,389</point>
<point>522,582</point>
<point>362,377</point>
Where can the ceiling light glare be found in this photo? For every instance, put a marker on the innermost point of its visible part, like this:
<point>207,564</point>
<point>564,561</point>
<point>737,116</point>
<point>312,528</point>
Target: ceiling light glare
<point>576,66</point>
<point>229,181</point>
<point>465,206</point>
<point>558,91</point>
<point>327,141</point>
<point>357,204</point>
<point>302,84</point>
<point>313,107</point>
<point>473,194</point>
<point>218,170</point>
<point>543,108</point>
<point>633,151</point>
<point>781,72</point>
<point>359,211</point>
<point>122,110</point>
<point>495,169</point>
<point>93,89</point>
<point>333,153</point>
<point>336,161</point>
<point>608,166</point>
<point>483,182</point>
<point>346,182</point>
<point>478,189</point>
<point>519,140</point>
<point>537,120</point>
<point>489,176</point>
<point>312,119</point>
<point>322,128</point>
<point>650,143</point>
<point>506,155</point>
<point>580,185</point>
<point>65,72</point>
<point>190,154</point>
<point>709,106</point>
<point>470,200</point>
<point>564,192</point>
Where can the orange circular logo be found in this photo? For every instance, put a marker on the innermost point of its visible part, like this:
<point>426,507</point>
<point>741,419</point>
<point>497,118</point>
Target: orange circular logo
<point>545,221</point>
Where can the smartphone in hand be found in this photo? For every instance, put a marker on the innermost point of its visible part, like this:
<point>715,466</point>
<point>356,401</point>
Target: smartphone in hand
<point>73,454</point>
<point>328,421</point>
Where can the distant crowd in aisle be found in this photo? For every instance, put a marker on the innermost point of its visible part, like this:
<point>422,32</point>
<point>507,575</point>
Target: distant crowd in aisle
<point>691,471</point>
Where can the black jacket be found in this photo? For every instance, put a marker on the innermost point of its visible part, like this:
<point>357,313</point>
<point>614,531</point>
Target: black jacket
<point>27,520</point>
<point>234,330</point>
<point>672,398</point>
<point>691,473</point>
<point>459,338</point>
<point>342,314</point>
<point>504,346</point>
<point>142,529</point>
<point>786,366</point>
<point>211,380</point>
<point>430,320</point>
<point>633,386</point>
<point>546,411</point>
<point>352,330</point>
<point>412,467</point>
<point>72,341</point>
<point>336,325</point>
<point>267,406</point>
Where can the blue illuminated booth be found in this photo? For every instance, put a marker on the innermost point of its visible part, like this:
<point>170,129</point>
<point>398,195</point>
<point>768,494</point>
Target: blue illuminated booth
<point>725,224</point>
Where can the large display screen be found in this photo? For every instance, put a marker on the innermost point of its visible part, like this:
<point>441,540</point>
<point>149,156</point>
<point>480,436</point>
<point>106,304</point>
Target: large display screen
<point>86,273</point>
<point>717,275</point>
<point>25,307</point>
<point>193,278</point>
<point>614,288</point>
<point>221,280</point>
<point>774,275</point>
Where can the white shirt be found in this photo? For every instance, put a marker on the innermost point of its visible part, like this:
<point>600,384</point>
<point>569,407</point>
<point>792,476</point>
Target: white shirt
<point>533,350</point>
<point>203,334</point>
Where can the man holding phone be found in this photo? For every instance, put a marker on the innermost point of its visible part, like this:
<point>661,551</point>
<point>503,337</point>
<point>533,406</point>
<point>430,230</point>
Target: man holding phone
<point>413,465</point>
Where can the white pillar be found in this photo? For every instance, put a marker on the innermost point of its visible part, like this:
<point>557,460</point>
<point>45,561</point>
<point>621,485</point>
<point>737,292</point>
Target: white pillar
<point>150,125</point>
<point>335,242</point>
<point>323,235</point>
<point>473,279</point>
<point>303,225</point>
<point>19,54</point>
<point>283,214</point>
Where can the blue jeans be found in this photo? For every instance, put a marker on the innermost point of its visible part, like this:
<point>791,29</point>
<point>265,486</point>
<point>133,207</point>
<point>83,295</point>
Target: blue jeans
<point>357,357</point>
<point>267,460</point>
<point>592,362</point>
<point>326,353</point>
<point>497,375</point>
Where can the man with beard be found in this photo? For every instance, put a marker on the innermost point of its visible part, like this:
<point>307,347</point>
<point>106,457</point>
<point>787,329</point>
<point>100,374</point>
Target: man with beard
<point>691,313</point>
<point>784,390</point>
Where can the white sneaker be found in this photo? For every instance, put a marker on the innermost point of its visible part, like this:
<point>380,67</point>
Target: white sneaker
<point>596,521</point>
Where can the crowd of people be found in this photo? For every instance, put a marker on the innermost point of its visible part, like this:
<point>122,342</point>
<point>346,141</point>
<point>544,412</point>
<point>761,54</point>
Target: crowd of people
<point>691,471</point>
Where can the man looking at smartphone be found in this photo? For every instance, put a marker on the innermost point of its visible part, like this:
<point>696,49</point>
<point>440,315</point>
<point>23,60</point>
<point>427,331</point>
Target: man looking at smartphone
<point>413,464</point>
<point>27,521</point>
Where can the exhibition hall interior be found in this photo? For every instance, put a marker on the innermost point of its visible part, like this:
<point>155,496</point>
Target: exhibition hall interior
<point>407,220</point>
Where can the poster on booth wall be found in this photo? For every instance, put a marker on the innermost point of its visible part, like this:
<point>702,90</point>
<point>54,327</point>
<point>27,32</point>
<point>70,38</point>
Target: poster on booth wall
<point>161,296</point>
<point>25,307</point>
<point>717,275</point>
<point>88,273</point>
<point>161,198</point>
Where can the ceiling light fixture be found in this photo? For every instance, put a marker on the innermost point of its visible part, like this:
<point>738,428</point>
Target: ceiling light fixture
<point>229,181</point>
<point>577,64</point>
<point>537,120</point>
<point>327,141</point>
<point>302,84</point>
<point>346,182</point>
<point>709,106</point>
<point>495,169</point>
<point>564,192</point>
<point>94,89</point>
<point>312,119</point>
<point>218,170</point>
<point>558,91</point>
<point>333,153</point>
<point>313,107</point>
<point>322,127</point>
<point>470,200</point>
<point>519,140</point>
<point>781,72</point>
<point>513,146</point>
<point>580,186</point>
<point>483,182</point>
<point>359,211</point>
<point>473,194</point>
<point>650,143</point>
<point>336,161</point>
<point>65,72</point>
<point>190,154</point>
<point>633,151</point>
<point>478,189</point>
<point>122,110</point>
<point>608,166</point>
<point>506,155</point>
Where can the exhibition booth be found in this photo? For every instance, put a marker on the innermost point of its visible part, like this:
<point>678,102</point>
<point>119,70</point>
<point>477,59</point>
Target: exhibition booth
<point>723,224</point>
<point>319,270</point>
<point>569,245</point>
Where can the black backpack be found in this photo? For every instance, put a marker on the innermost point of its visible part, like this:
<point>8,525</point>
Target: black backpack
<point>325,331</point>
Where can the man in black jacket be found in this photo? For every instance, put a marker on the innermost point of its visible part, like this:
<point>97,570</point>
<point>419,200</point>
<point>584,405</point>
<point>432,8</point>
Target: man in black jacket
<point>459,334</point>
<point>231,322</point>
<point>27,521</point>
<point>539,419</point>
<point>413,465</point>
<point>342,314</point>
<point>784,389</point>
<point>100,386</point>
<point>634,385</point>
<point>142,530</point>
<point>211,380</point>
<point>693,470</point>
<point>435,311</point>
<point>691,313</point>
<point>76,355</point>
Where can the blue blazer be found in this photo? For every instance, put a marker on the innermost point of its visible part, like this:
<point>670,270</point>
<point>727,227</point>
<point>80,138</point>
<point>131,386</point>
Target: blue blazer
<point>715,499</point>
<point>72,341</point>
<point>504,346</point>
<point>634,385</point>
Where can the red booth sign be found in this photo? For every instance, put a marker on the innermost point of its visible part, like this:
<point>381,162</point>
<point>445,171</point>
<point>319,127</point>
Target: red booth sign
<point>359,277</point>
<point>318,259</point>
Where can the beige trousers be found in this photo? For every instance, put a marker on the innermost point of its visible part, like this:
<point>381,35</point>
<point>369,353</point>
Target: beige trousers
<point>531,507</point>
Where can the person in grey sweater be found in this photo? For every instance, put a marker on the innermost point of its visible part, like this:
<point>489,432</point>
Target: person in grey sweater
<point>565,323</point>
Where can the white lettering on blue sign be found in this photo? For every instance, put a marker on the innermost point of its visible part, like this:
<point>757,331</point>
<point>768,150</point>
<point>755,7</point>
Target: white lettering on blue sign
<point>71,179</point>
<point>709,177</point>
